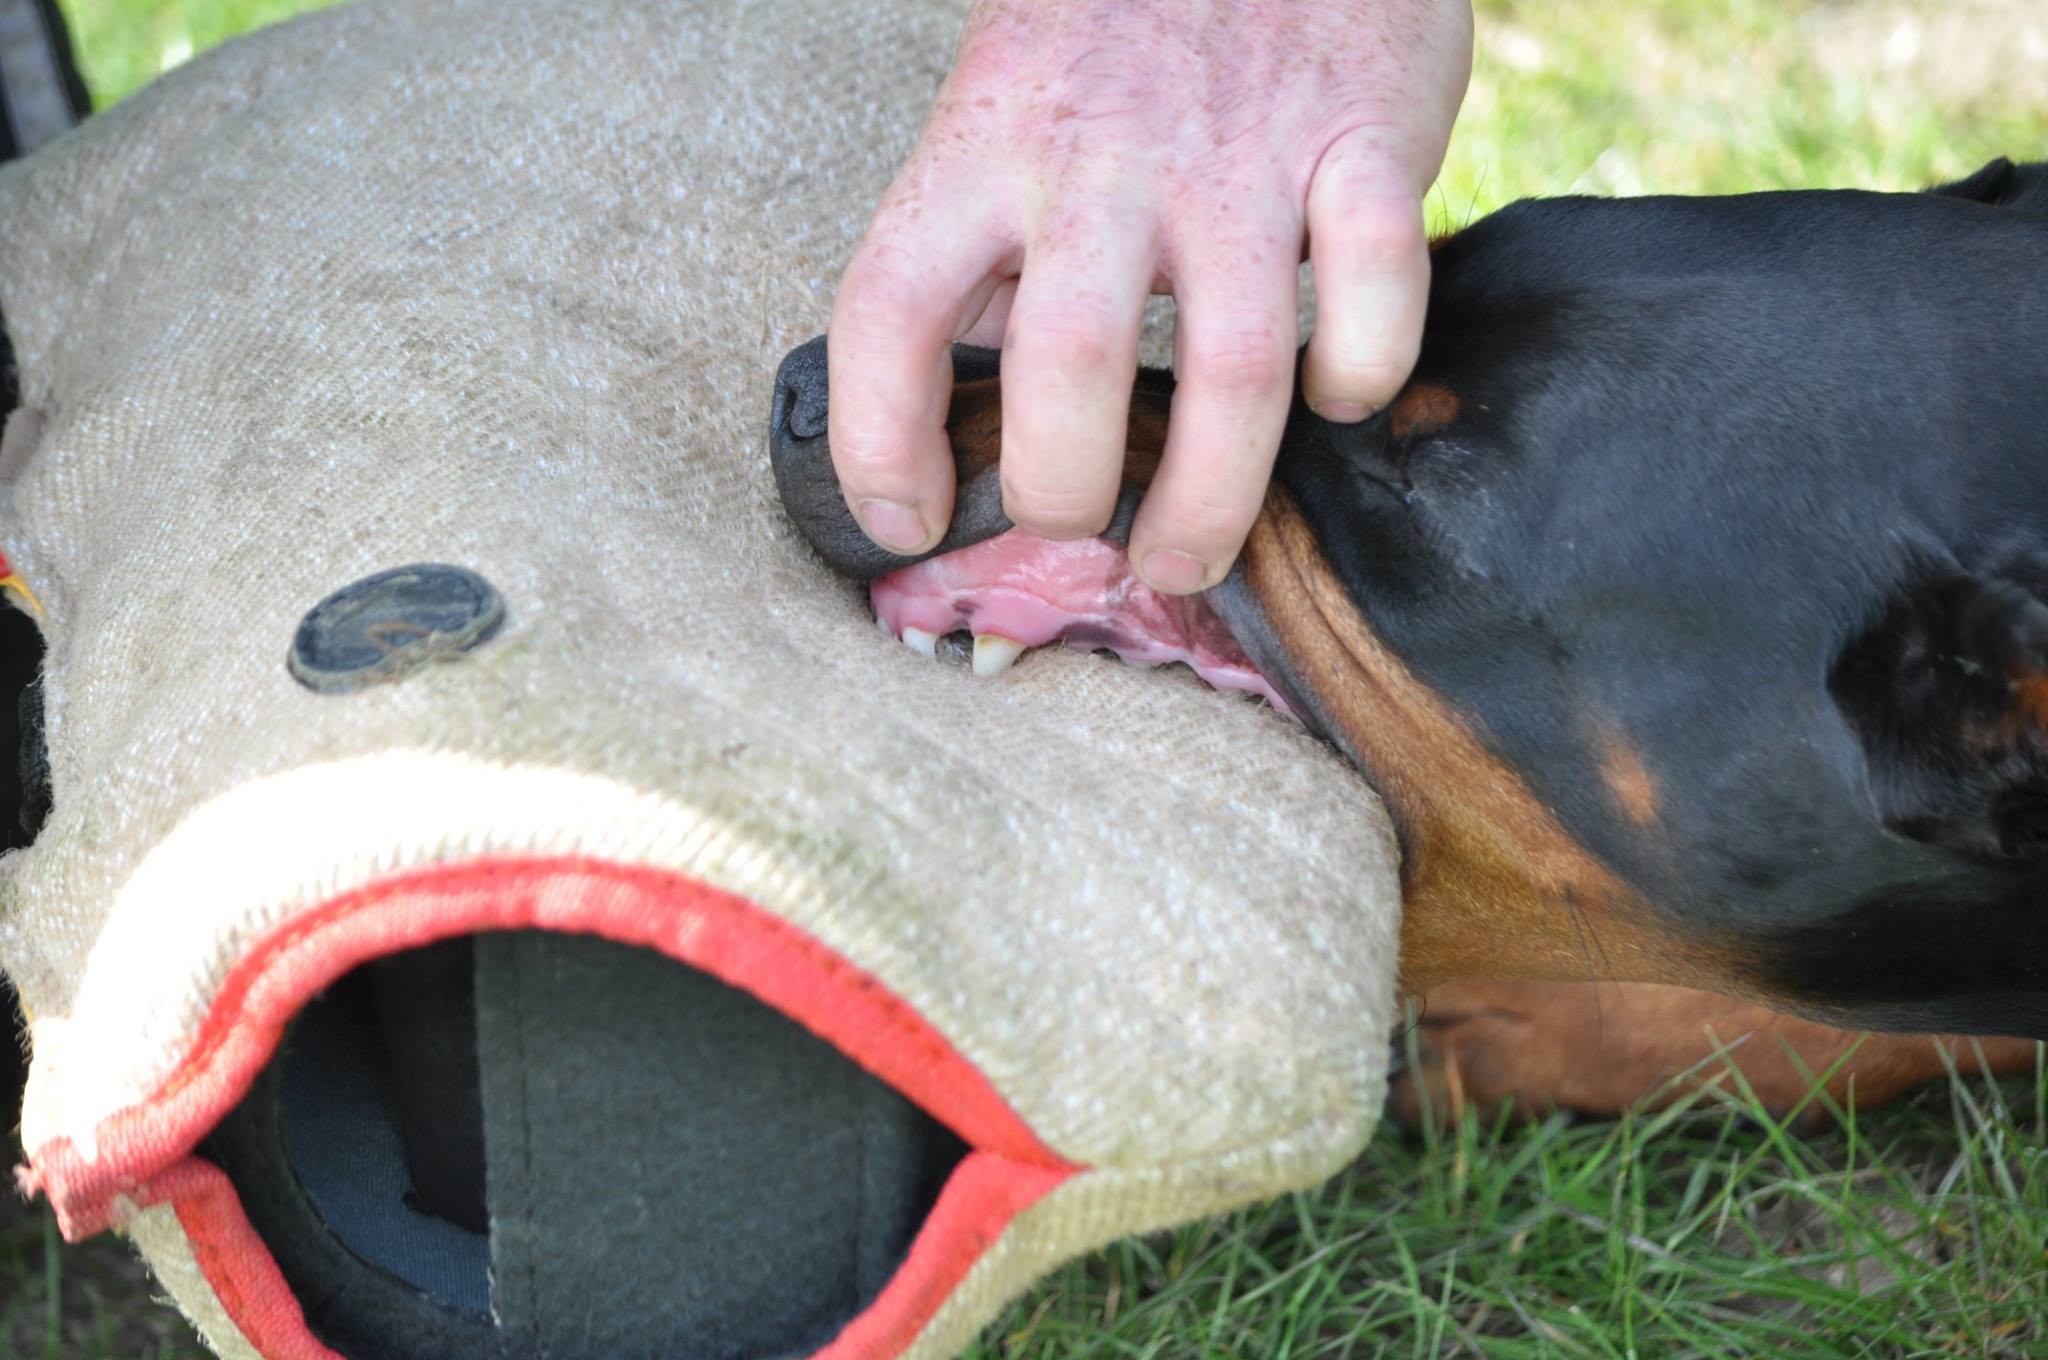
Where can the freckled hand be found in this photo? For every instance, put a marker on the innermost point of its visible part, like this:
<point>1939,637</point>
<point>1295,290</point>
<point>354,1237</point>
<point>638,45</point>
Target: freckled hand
<point>1085,153</point>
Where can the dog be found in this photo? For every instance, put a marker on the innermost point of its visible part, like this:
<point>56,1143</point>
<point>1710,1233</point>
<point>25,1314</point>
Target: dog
<point>1688,609</point>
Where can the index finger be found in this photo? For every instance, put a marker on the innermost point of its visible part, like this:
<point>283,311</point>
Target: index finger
<point>914,282</point>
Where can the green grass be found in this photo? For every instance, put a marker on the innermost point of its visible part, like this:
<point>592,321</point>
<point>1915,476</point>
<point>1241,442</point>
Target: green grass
<point>1920,1230</point>
<point>122,45</point>
<point>91,1302</point>
<point>1678,96</point>
<point>1707,1231</point>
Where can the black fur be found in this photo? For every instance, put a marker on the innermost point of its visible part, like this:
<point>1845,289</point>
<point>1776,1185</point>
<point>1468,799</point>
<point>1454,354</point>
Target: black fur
<point>1761,484</point>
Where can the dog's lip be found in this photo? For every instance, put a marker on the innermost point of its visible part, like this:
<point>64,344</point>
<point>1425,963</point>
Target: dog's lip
<point>1015,592</point>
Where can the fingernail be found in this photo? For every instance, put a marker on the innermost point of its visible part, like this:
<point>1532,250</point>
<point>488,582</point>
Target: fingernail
<point>1174,573</point>
<point>893,524</point>
<point>1342,412</point>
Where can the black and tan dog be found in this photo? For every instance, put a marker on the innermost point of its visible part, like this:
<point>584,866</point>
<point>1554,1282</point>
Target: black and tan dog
<point>1689,609</point>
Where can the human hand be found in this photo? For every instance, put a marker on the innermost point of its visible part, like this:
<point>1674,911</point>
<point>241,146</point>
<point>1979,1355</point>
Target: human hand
<point>1085,153</point>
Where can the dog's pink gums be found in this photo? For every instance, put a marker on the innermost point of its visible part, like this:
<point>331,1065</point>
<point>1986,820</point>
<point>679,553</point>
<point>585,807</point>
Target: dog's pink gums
<point>1082,593</point>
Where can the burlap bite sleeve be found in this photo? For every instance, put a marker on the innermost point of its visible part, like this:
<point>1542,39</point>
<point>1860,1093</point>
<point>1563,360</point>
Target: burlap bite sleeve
<point>1081,951</point>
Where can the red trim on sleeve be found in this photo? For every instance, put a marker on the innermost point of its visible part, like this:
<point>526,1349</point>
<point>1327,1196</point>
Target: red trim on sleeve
<point>978,1202</point>
<point>237,1265</point>
<point>145,1152</point>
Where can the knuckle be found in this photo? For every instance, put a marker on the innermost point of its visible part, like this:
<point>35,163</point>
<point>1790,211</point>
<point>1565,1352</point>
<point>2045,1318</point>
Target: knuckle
<point>986,59</point>
<point>1069,344</point>
<point>871,444</point>
<point>1206,534</point>
<point>1377,228</point>
<point>1057,511</point>
<point>1108,81</point>
<point>1211,525</point>
<point>873,465</point>
<point>881,292</point>
<point>1240,364</point>
<point>1363,373</point>
<point>1381,154</point>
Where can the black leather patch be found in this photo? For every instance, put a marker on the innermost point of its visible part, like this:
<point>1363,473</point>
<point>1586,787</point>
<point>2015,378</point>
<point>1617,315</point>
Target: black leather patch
<point>387,626</point>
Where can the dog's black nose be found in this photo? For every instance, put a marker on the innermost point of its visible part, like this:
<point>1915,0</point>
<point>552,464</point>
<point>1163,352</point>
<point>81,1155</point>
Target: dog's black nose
<point>800,393</point>
<point>801,455</point>
<point>802,459</point>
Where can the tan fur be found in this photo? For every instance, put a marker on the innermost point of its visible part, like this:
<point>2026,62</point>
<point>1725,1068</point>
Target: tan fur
<point>1603,1048</point>
<point>1422,409</point>
<point>1493,886</point>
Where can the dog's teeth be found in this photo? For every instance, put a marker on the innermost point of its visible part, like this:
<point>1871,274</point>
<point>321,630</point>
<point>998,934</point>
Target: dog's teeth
<point>1140,662</point>
<point>883,624</point>
<point>993,655</point>
<point>928,643</point>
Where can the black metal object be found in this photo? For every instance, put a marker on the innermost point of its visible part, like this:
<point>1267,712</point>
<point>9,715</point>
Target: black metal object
<point>387,626</point>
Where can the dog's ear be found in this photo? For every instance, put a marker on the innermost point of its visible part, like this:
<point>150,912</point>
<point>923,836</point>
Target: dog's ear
<point>1986,186</point>
<point>2003,184</point>
<point>1948,692</point>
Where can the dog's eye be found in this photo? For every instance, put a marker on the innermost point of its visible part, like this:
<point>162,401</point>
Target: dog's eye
<point>1370,450</point>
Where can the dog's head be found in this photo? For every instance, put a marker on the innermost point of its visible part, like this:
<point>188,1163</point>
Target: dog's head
<point>1689,607</point>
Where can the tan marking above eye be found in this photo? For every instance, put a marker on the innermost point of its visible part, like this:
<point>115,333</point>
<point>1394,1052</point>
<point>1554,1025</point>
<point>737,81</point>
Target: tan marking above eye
<point>2029,706</point>
<point>1423,408</point>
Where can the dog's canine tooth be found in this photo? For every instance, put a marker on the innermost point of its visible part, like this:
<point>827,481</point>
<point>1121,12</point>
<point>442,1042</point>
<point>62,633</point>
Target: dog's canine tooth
<point>994,654</point>
<point>920,640</point>
<point>883,624</point>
